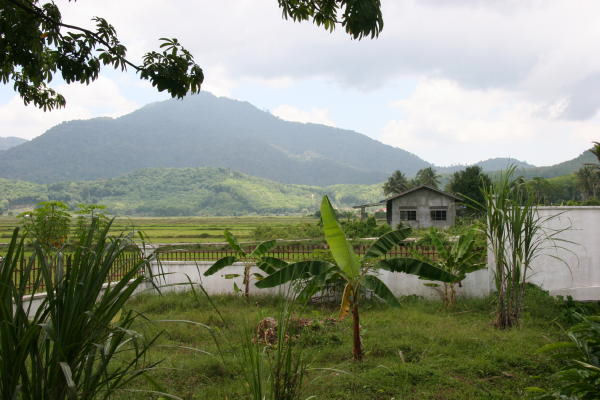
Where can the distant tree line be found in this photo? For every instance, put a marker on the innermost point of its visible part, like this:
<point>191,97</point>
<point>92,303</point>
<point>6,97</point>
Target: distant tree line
<point>581,188</point>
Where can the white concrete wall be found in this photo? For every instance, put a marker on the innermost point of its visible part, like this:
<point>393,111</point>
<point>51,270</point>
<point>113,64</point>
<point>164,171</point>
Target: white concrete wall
<point>578,274</point>
<point>176,275</point>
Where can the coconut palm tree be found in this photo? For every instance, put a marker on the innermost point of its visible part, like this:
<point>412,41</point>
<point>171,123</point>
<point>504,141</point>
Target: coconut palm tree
<point>588,180</point>
<point>397,183</point>
<point>428,176</point>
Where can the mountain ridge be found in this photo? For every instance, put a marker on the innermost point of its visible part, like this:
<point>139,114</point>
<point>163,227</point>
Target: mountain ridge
<point>209,131</point>
<point>205,131</point>
<point>10,141</point>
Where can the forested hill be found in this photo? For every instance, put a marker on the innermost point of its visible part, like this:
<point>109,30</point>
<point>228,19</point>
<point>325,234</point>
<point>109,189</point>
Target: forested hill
<point>204,130</point>
<point>185,192</point>
<point>490,165</point>
<point>11,141</point>
<point>564,168</point>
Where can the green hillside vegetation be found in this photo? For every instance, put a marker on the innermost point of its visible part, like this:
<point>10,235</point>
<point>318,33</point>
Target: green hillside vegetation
<point>186,192</point>
<point>221,192</point>
<point>561,169</point>
<point>490,165</point>
<point>10,141</point>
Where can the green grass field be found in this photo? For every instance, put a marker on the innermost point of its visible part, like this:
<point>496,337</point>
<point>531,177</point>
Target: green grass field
<point>182,229</point>
<point>418,351</point>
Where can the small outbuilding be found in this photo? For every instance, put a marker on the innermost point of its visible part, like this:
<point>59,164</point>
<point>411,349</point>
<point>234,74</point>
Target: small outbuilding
<point>422,207</point>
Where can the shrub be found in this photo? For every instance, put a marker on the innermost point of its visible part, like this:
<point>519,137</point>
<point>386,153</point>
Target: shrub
<point>78,343</point>
<point>579,379</point>
<point>356,229</point>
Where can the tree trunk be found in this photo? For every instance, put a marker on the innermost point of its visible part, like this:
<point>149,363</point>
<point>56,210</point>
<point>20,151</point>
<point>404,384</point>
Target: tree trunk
<point>247,281</point>
<point>357,346</point>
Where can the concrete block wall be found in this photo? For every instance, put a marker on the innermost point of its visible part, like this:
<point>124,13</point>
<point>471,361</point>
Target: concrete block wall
<point>572,268</point>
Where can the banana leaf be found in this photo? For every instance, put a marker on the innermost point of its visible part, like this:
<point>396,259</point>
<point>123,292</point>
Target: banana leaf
<point>380,289</point>
<point>387,242</point>
<point>220,264</point>
<point>263,248</point>
<point>420,268</point>
<point>299,270</point>
<point>340,248</point>
<point>347,299</point>
<point>270,264</point>
<point>234,244</point>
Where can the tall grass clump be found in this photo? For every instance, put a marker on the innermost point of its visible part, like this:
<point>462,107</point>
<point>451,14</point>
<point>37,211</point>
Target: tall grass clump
<point>516,235</point>
<point>78,343</point>
<point>273,371</point>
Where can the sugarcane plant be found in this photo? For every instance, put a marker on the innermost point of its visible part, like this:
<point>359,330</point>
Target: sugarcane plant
<point>359,273</point>
<point>257,257</point>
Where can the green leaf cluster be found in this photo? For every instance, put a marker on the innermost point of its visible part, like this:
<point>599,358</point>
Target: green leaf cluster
<point>37,44</point>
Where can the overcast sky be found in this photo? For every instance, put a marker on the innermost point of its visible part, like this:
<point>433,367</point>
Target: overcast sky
<point>453,81</point>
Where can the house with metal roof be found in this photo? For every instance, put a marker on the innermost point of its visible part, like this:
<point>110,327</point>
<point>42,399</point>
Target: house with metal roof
<point>419,207</point>
<point>422,207</point>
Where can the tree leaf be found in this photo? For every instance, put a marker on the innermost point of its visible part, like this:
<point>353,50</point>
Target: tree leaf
<point>220,264</point>
<point>417,267</point>
<point>234,244</point>
<point>380,289</point>
<point>299,270</point>
<point>263,248</point>
<point>387,242</point>
<point>271,264</point>
<point>340,248</point>
<point>311,287</point>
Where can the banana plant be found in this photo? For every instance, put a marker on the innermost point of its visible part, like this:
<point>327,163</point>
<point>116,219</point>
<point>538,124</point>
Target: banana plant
<point>459,257</point>
<point>256,257</point>
<point>357,272</point>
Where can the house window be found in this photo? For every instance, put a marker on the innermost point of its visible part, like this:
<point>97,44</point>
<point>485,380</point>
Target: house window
<point>408,215</point>
<point>438,215</point>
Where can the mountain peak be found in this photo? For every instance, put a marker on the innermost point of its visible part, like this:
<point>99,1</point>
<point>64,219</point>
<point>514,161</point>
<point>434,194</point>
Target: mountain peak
<point>206,130</point>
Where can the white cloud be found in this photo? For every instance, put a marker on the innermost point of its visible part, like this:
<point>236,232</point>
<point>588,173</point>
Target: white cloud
<point>445,123</point>
<point>101,98</point>
<point>546,49</point>
<point>217,81</point>
<point>494,71</point>
<point>314,115</point>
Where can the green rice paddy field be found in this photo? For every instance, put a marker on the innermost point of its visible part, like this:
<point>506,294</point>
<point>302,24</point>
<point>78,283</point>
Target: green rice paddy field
<point>182,229</point>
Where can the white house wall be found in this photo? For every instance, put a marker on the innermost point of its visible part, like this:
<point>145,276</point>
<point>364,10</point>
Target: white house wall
<point>422,201</point>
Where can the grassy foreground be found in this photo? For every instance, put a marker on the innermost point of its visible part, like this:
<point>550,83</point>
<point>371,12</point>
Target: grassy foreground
<point>417,351</point>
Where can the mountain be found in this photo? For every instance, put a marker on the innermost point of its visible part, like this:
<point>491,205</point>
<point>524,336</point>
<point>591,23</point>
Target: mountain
<point>564,168</point>
<point>185,192</point>
<point>11,141</point>
<point>205,131</point>
<point>489,165</point>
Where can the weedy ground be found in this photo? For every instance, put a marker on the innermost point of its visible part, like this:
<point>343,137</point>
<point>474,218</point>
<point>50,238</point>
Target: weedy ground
<point>417,351</point>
